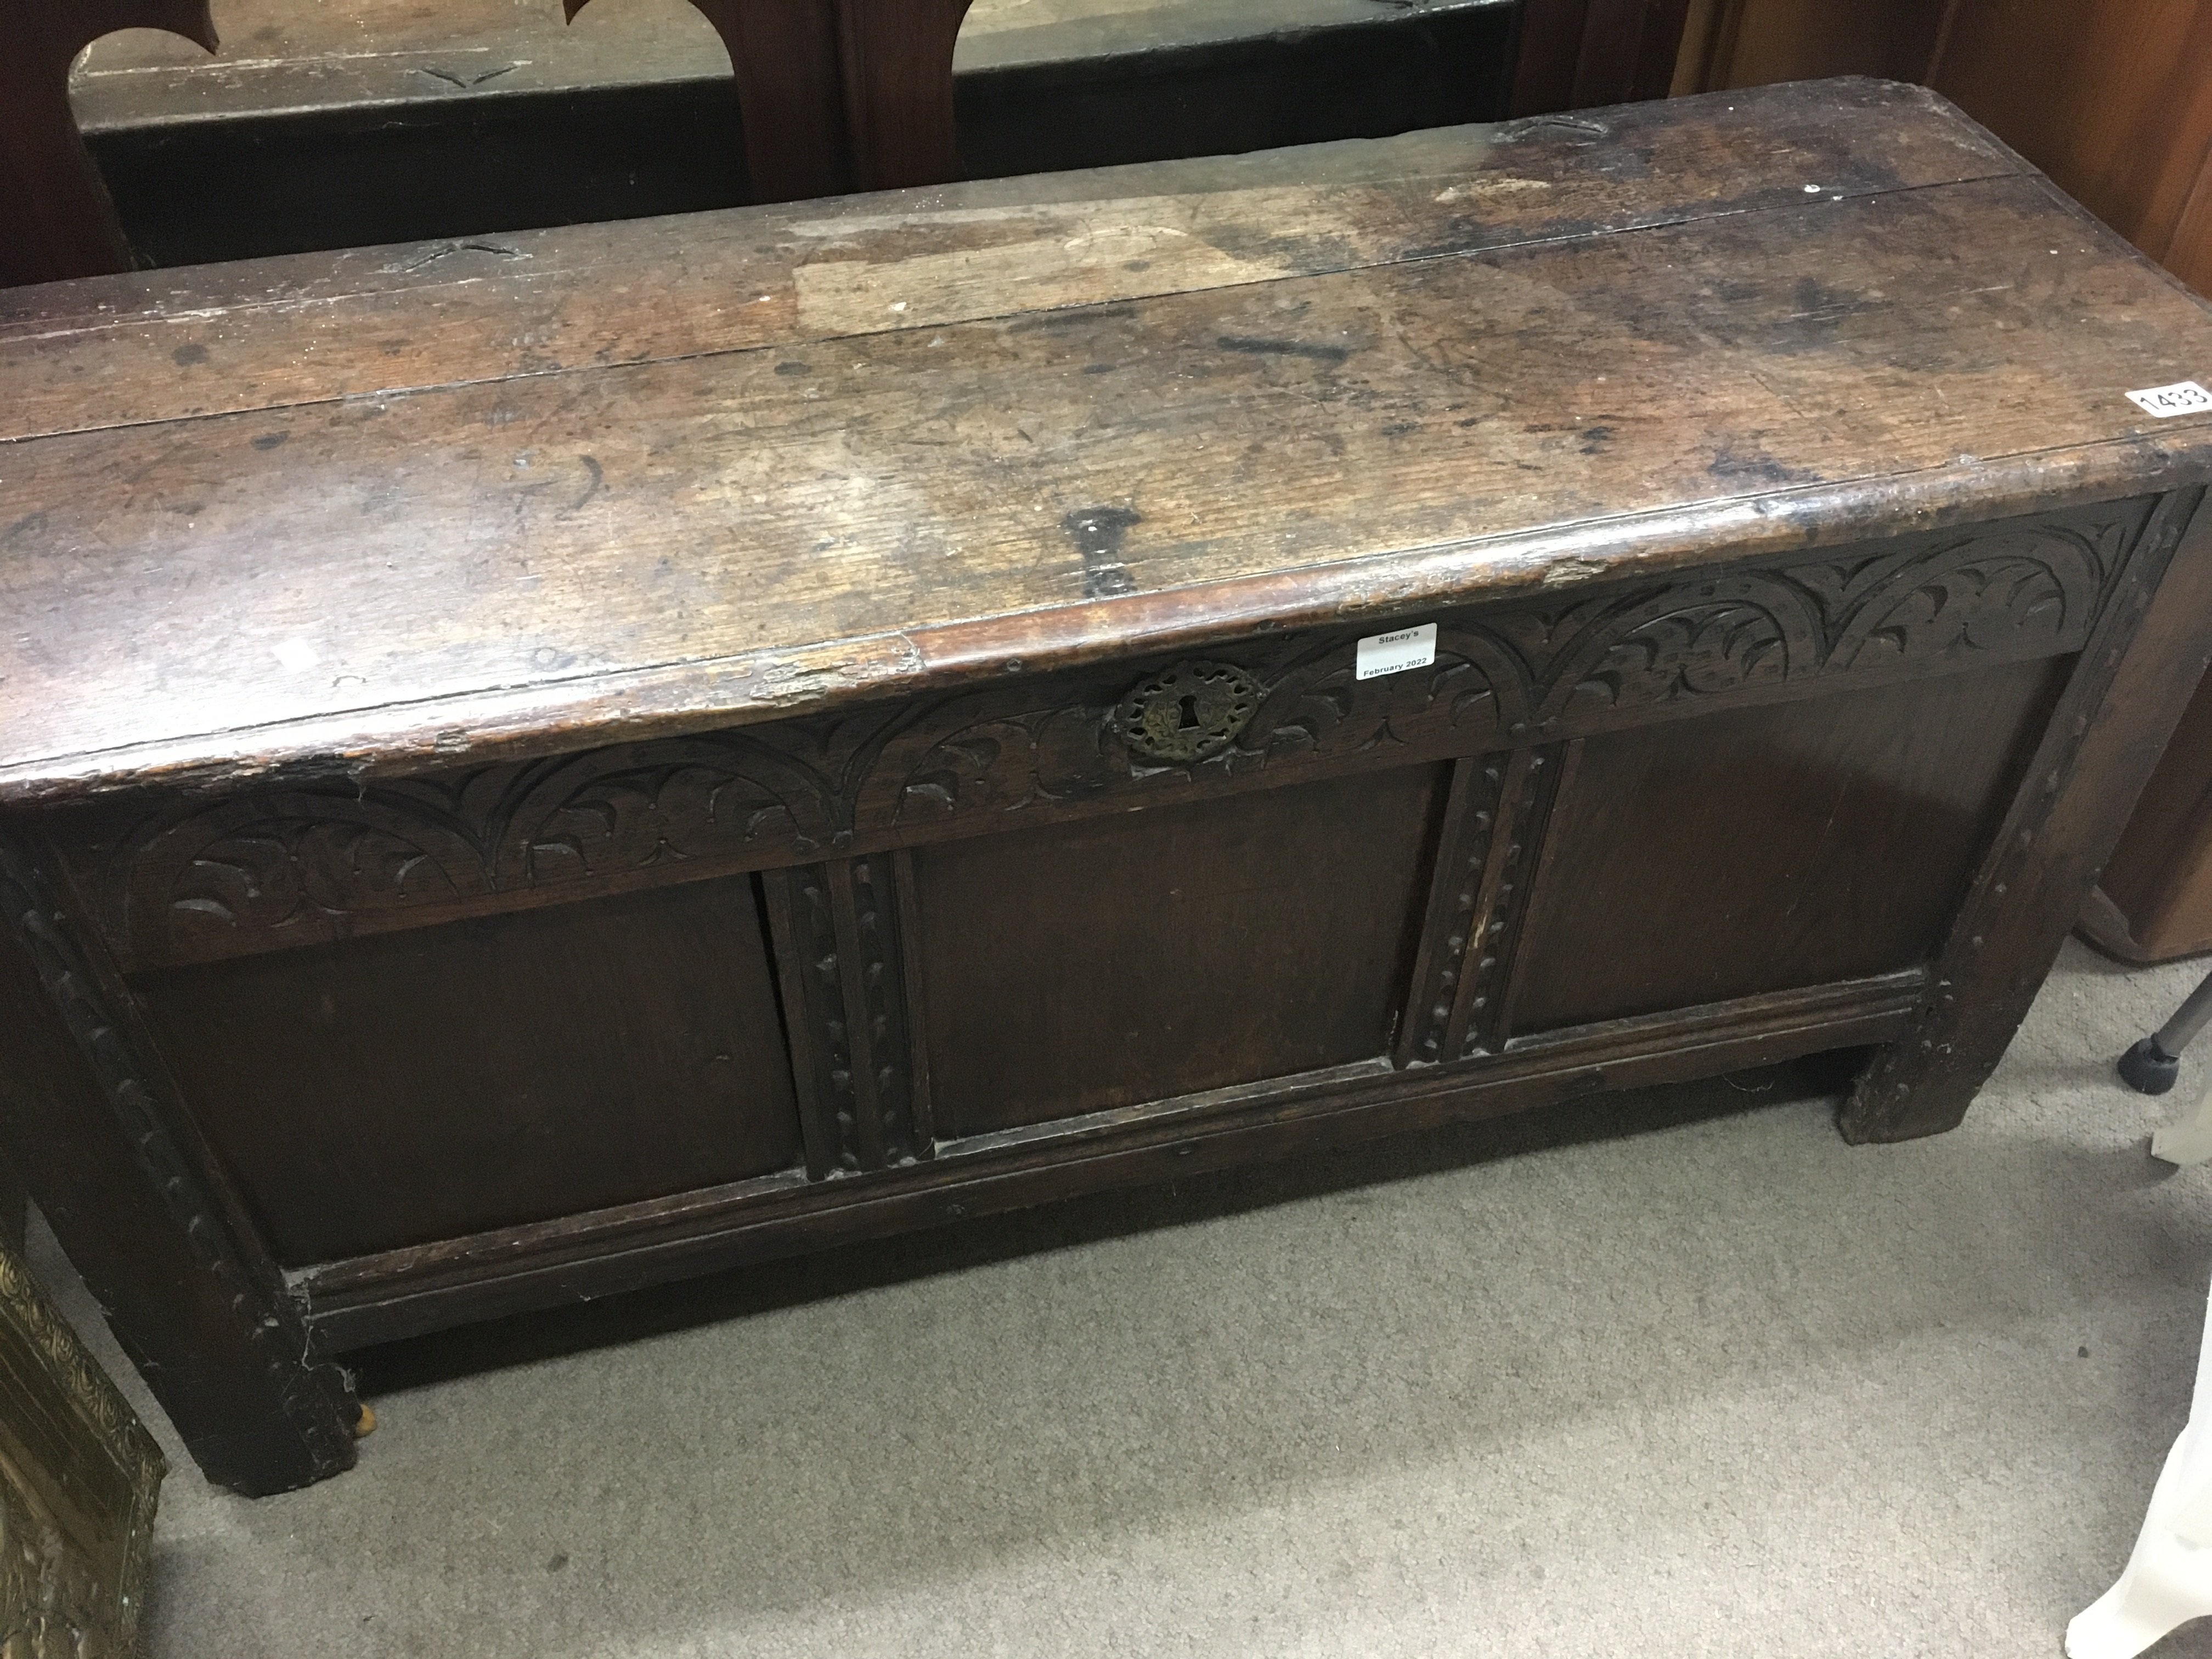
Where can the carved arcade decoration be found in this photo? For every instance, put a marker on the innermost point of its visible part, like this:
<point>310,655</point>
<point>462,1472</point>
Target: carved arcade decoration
<point>296,866</point>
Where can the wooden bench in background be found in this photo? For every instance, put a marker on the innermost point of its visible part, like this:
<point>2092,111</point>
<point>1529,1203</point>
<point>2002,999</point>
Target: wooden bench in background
<point>322,125</point>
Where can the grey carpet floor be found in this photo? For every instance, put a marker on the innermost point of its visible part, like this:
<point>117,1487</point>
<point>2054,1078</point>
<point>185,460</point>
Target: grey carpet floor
<point>1722,1386</point>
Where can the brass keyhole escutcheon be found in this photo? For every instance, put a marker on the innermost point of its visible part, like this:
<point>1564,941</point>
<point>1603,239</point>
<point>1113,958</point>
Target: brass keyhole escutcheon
<point>1193,710</point>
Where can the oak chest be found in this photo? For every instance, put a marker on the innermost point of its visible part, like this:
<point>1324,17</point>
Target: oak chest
<point>540,764</point>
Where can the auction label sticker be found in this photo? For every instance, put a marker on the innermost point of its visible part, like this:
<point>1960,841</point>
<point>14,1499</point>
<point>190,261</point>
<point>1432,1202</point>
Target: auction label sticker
<point>1393,654</point>
<point>2182,398</point>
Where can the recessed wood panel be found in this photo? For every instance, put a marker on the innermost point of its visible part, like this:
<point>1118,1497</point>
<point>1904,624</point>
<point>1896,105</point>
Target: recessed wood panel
<point>1773,847</point>
<point>1104,963</point>
<point>409,1087</point>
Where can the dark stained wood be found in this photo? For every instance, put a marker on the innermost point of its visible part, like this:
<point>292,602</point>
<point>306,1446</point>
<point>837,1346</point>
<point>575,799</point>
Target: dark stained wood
<point>991,604</point>
<point>2109,97</point>
<point>122,1175</point>
<point>2149,654</point>
<point>586,297</point>
<point>1752,43</point>
<point>2153,901</point>
<point>56,220</point>
<point>273,869</point>
<point>15,1205</point>
<point>689,487</point>
<point>1103,965</point>
<point>791,99</point>
<point>403,56</point>
<point>896,55</point>
<point>840,95</point>
<point>388,121</point>
<point>614,1051</point>
<point>1575,54</point>
<point>382,1298</point>
<point>1223,78</point>
<point>836,95</point>
<point>842,946</point>
<point>1873,807</point>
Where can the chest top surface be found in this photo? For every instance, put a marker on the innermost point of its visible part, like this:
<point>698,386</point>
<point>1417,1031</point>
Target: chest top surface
<point>376,509</point>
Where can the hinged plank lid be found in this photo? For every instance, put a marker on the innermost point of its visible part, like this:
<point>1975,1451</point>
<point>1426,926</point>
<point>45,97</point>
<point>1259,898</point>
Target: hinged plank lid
<point>375,509</point>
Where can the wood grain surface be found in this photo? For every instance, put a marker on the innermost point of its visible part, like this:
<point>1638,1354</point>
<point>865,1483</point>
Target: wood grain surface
<point>380,511</point>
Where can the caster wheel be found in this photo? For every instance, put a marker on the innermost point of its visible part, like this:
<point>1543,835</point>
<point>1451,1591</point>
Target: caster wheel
<point>2149,1069</point>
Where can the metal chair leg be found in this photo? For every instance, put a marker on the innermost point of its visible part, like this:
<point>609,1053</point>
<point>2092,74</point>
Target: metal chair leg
<point>2151,1066</point>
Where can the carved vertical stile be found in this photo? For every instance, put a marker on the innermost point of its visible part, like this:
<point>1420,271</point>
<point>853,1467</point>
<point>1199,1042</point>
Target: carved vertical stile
<point>2140,663</point>
<point>1462,855</point>
<point>1493,825</point>
<point>917,1010</point>
<point>840,961</point>
<point>258,1372</point>
<point>1566,759</point>
<point>804,937</point>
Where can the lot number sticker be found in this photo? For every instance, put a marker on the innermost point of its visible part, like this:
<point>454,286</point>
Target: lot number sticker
<point>2182,398</point>
<point>1393,654</point>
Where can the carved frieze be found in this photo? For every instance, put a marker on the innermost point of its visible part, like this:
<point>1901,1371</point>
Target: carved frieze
<point>302,865</point>
<point>1540,672</point>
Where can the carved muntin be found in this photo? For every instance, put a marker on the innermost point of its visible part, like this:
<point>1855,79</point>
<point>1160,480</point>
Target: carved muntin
<point>836,928</point>
<point>1485,869</point>
<point>196,881</point>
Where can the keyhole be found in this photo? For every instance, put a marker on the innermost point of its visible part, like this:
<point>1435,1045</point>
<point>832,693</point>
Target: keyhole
<point>1189,722</point>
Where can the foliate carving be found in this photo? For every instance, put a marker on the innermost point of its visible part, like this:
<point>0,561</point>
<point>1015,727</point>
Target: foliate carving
<point>1476,690</point>
<point>78,1594</point>
<point>299,866</point>
<point>135,1089</point>
<point>274,864</point>
<point>1921,1083</point>
<point>1004,765</point>
<point>2013,595</point>
<point>302,865</point>
<point>615,811</point>
<point>1311,708</point>
<point>1193,710</point>
<point>837,944</point>
<point>1541,671</point>
<point>1704,641</point>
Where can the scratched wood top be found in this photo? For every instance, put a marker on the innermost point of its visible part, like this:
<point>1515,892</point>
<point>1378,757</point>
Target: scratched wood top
<point>383,508</point>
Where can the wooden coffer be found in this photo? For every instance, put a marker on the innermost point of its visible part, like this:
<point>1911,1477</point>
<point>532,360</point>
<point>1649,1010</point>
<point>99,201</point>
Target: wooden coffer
<point>543,765</point>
